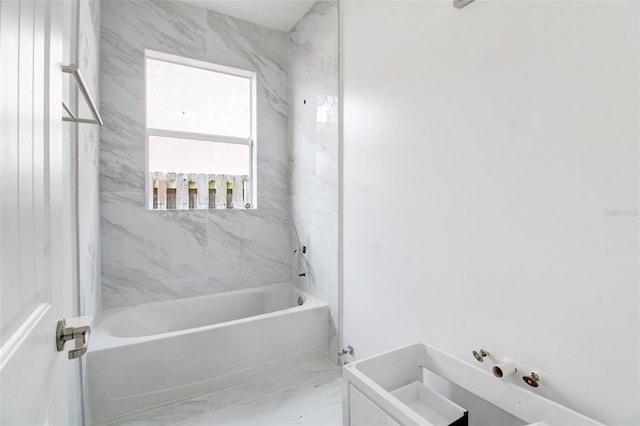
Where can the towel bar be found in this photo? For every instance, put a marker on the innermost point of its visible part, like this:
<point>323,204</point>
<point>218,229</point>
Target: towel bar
<point>75,71</point>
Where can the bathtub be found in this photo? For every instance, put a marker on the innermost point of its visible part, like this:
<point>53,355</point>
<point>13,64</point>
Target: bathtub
<point>146,355</point>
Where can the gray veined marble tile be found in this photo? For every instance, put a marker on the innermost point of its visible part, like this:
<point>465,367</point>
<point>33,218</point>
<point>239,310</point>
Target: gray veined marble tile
<point>88,58</point>
<point>150,255</point>
<point>117,293</point>
<point>272,208</point>
<point>224,250</point>
<point>122,149</point>
<point>187,21</point>
<point>120,167</point>
<point>272,130</point>
<point>273,178</point>
<point>313,126</point>
<point>225,228</point>
<point>266,253</point>
<point>310,395</point>
<point>255,48</point>
<point>323,15</point>
<point>318,29</point>
<point>272,99</point>
<point>262,47</point>
<point>126,96</point>
<point>133,26</point>
<point>232,241</point>
<point>119,58</point>
<point>246,250</point>
<point>184,228</point>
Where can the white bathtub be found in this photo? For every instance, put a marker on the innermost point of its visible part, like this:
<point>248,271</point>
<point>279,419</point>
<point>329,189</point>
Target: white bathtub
<point>146,355</point>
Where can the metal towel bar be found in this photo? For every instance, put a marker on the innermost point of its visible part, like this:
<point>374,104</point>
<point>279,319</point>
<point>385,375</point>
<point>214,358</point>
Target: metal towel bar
<point>73,69</point>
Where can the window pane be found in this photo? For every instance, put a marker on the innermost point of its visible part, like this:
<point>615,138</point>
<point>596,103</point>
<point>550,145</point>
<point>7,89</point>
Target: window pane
<point>192,156</point>
<point>191,99</point>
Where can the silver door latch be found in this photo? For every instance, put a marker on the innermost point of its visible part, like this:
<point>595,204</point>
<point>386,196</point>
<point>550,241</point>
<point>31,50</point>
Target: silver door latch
<point>64,333</point>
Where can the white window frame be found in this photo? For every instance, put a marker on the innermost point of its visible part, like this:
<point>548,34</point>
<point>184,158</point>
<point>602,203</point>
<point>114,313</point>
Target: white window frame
<point>251,141</point>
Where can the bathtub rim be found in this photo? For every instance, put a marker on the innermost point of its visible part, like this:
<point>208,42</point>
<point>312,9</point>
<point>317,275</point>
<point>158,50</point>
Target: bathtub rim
<point>101,339</point>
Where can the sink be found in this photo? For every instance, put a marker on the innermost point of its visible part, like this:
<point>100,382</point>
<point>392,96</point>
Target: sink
<point>400,387</point>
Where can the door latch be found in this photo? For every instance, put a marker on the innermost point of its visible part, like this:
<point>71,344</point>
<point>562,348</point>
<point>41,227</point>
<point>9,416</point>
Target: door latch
<point>79,334</point>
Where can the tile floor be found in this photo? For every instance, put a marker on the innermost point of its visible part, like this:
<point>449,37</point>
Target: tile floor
<point>309,395</point>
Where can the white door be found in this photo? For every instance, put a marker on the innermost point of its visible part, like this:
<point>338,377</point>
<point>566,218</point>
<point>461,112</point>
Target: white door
<point>35,230</point>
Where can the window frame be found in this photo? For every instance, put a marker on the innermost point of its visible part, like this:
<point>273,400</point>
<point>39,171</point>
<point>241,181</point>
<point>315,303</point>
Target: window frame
<point>251,141</point>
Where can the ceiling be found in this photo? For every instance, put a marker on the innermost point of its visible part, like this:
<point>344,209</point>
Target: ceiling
<point>278,14</point>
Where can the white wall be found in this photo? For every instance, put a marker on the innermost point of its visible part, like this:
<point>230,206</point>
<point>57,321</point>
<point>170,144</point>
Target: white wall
<point>491,188</point>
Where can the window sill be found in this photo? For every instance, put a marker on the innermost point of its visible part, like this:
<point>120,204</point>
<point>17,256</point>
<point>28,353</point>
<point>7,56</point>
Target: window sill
<point>202,210</point>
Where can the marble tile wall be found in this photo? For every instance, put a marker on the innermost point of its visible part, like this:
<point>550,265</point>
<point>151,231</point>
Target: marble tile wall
<point>149,255</point>
<point>314,139</point>
<point>88,54</point>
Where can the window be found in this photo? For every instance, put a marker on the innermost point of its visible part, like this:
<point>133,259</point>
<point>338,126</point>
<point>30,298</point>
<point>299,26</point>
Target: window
<point>201,134</point>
